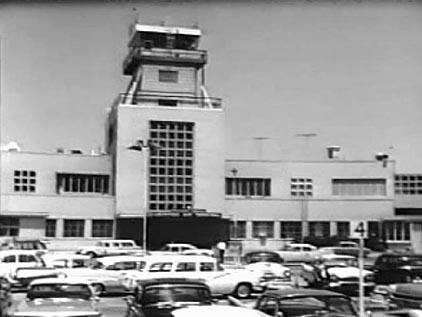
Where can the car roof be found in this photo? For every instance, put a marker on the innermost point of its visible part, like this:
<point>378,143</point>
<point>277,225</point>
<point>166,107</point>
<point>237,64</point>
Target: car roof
<point>117,240</point>
<point>412,289</point>
<point>330,256</point>
<point>179,257</point>
<point>171,280</point>
<point>120,258</point>
<point>179,245</point>
<point>261,251</point>
<point>63,256</point>
<point>400,254</point>
<point>289,292</point>
<point>64,280</point>
<point>216,310</point>
<point>18,251</point>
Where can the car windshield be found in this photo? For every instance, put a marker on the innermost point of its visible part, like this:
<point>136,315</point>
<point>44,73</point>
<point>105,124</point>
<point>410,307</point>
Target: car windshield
<point>262,257</point>
<point>157,294</point>
<point>341,262</point>
<point>292,307</point>
<point>79,291</point>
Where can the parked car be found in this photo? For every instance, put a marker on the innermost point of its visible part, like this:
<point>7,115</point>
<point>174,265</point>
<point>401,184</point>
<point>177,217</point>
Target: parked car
<point>348,250</point>
<point>22,243</point>
<point>302,302</point>
<point>240,282</point>
<point>63,296</point>
<point>213,311</point>
<point>159,297</point>
<point>268,265</point>
<point>106,274</point>
<point>52,262</point>
<point>111,247</point>
<point>66,260</point>
<point>392,268</point>
<point>298,252</point>
<point>339,273</point>
<point>11,260</point>
<point>182,248</point>
<point>25,275</point>
<point>5,296</point>
<point>398,296</point>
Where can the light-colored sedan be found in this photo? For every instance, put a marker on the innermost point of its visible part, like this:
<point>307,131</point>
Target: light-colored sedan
<point>106,274</point>
<point>62,297</point>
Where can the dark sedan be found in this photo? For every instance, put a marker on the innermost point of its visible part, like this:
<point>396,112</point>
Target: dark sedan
<point>391,268</point>
<point>295,302</point>
<point>159,297</point>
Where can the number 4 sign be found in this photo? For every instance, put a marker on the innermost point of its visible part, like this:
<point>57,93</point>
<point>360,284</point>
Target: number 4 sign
<point>360,229</point>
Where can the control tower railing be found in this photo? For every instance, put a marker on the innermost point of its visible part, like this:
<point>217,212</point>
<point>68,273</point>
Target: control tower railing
<point>150,99</point>
<point>141,55</point>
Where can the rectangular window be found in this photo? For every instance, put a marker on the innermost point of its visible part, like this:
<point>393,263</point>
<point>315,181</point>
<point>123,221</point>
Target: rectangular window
<point>291,229</point>
<point>168,76</point>
<point>24,181</point>
<point>250,187</point>
<point>74,228</point>
<point>9,226</point>
<point>408,184</point>
<point>167,102</point>
<point>343,229</point>
<point>397,230</point>
<point>82,183</point>
<point>50,227</point>
<point>238,229</point>
<point>301,187</point>
<point>171,185</point>
<point>262,229</point>
<point>359,187</point>
<point>102,228</point>
<point>319,229</point>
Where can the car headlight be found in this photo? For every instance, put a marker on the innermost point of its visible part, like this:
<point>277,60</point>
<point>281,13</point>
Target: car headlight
<point>287,274</point>
<point>369,278</point>
<point>334,278</point>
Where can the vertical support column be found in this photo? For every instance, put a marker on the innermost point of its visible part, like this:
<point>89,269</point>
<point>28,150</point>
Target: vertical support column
<point>248,229</point>
<point>59,228</point>
<point>88,228</point>
<point>277,230</point>
<point>333,228</point>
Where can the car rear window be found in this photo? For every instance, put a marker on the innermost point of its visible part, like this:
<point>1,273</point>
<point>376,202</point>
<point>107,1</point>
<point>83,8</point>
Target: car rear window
<point>81,291</point>
<point>155,295</point>
<point>262,257</point>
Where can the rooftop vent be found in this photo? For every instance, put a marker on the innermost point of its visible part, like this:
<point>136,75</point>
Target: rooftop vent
<point>333,151</point>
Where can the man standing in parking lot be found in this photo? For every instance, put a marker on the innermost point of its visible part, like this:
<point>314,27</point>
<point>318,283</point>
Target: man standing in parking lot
<point>221,247</point>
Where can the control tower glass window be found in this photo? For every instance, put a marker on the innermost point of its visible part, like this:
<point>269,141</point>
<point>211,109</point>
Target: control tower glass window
<point>171,167</point>
<point>168,76</point>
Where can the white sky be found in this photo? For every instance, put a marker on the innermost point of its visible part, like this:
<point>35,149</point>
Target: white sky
<point>349,71</point>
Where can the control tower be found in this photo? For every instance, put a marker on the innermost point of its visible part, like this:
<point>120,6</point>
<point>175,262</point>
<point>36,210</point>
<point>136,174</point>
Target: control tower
<point>177,174</point>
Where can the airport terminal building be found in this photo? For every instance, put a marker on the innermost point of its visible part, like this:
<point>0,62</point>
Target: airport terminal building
<point>164,162</point>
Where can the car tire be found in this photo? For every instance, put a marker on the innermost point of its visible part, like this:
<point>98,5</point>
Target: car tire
<point>243,290</point>
<point>98,288</point>
<point>91,254</point>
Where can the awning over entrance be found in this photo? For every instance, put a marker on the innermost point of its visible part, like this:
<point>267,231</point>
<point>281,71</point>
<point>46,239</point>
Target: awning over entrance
<point>24,214</point>
<point>201,229</point>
